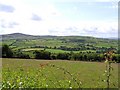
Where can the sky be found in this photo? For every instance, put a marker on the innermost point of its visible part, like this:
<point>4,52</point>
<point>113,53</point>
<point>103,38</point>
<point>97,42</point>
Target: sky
<point>97,18</point>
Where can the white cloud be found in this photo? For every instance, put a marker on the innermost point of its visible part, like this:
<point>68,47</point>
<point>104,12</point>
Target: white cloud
<point>87,28</point>
<point>6,8</point>
<point>51,23</point>
<point>36,17</point>
<point>23,14</point>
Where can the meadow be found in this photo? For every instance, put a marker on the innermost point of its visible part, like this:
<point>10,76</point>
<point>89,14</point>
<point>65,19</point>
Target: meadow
<point>23,42</point>
<point>76,68</point>
<point>32,73</point>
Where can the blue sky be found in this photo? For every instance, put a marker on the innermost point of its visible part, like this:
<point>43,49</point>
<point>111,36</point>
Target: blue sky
<point>87,11</point>
<point>96,18</point>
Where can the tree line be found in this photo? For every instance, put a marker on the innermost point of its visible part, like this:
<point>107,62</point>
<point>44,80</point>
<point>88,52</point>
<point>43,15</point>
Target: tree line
<point>7,52</point>
<point>78,48</point>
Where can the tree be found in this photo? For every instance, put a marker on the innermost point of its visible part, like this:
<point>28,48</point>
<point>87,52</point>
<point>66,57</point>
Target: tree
<point>19,54</point>
<point>63,56</point>
<point>42,54</point>
<point>37,54</point>
<point>6,51</point>
<point>53,56</point>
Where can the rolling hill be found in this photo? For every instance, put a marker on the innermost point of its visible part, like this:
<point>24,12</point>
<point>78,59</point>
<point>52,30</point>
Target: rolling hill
<point>69,43</point>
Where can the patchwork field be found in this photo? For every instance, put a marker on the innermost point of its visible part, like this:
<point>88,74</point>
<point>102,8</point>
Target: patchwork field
<point>31,73</point>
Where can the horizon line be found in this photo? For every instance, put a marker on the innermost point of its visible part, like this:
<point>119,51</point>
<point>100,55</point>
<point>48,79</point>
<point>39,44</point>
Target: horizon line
<point>61,35</point>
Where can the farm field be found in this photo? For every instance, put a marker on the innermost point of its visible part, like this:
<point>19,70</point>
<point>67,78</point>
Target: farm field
<point>56,44</point>
<point>58,47</point>
<point>32,73</point>
<point>54,50</point>
<point>22,41</point>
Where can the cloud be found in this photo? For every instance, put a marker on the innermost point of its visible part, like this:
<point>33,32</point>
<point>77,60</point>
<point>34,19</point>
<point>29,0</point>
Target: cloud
<point>5,24</point>
<point>35,17</point>
<point>52,31</point>
<point>6,8</point>
<point>26,16</point>
<point>92,30</point>
<point>96,29</point>
<point>12,24</point>
<point>71,28</point>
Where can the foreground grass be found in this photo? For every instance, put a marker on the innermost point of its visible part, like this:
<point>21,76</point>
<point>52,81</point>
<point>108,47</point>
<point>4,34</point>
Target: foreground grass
<point>22,73</point>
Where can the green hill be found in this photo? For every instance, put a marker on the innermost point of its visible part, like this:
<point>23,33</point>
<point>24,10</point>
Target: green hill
<point>66,43</point>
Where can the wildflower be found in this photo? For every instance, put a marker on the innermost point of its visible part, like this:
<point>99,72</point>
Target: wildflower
<point>20,83</point>
<point>8,83</point>
<point>70,87</point>
<point>42,65</point>
<point>106,61</point>
<point>3,86</point>
<point>46,85</point>
<point>69,81</point>
<point>105,71</point>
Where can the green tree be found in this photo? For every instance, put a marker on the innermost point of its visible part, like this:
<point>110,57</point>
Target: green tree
<point>19,54</point>
<point>42,54</point>
<point>63,56</point>
<point>6,51</point>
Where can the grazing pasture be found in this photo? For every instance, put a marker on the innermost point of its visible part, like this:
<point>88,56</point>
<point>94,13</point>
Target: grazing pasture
<point>31,73</point>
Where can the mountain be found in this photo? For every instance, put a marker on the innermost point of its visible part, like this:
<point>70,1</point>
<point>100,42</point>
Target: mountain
<point>22,36</point>
<point>17,36</point>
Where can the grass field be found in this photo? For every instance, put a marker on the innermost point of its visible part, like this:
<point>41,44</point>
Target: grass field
<point>25,41</point>
<point>55,50</point>
<point>22,73</point>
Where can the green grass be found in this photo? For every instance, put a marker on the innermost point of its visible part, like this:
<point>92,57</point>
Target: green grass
<point>50,50</point>
<point>28,73</point>
<point>61,41</point>
<point>30,51</point>
<point>55,50</point>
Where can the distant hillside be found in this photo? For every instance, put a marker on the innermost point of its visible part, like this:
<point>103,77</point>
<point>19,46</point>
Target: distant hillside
<point>22,36</point>
<point>17,36</point>
<point>27,44</point>
<point>24,41</point>
<point>26,36</point>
